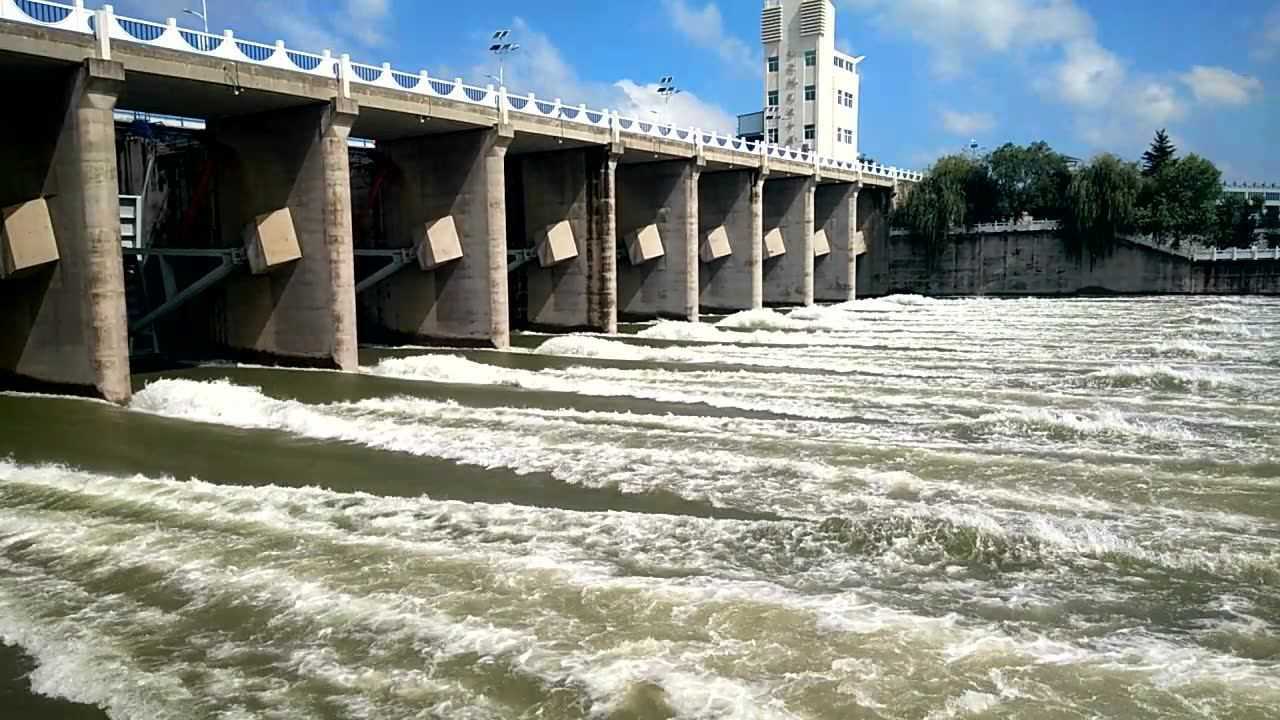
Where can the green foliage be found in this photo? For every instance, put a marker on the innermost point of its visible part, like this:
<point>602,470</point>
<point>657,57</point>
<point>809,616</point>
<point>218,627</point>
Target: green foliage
<point>1180,200</point>
<point>1236,221</point>
<point>977,190</point>
<point>937,203</point>
<point>1161,153</point>
<point>1101,202</point>
<point>1031,179</point>
<point>1169,197</point>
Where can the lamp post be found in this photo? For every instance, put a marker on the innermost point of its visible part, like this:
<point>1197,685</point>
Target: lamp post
<point>667,88</point>
<point>202,13</point>
<point>499,46</point>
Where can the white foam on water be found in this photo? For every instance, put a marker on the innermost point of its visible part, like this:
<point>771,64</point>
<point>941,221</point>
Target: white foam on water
<point>658,385</point>
<point>1067,425</point>
<point>1192,349</point>
<point>763,319</point>
<point>196,562</point>
<point>685,331</point>
<point>1160,377</point>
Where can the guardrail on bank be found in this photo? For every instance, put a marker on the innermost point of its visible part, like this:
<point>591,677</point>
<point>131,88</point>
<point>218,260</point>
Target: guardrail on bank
<point>107,27</point>
<point>1238,254</point>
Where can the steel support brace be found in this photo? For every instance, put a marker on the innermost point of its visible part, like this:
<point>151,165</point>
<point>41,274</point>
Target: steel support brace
<point>517,259</point>
<point>229,263</point>
<point>398,259</point>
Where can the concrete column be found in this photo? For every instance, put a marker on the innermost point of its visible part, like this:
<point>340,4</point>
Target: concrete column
<point>727,213</point>
<point>835,214</point>
<point>757,239</point>
<point>64,322</point>
<point>303,311</point>
<point>448,203</point>
<point>602,281</point>
<point>788,208</point>
<point>658,224</point>
<point>573,192</point>
<point>874,271</point>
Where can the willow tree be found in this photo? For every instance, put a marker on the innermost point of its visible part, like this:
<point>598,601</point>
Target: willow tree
<point>953,194</point>
<point>1101,202</point>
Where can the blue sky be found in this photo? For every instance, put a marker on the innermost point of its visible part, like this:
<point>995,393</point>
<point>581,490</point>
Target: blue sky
<point>1085,75</point>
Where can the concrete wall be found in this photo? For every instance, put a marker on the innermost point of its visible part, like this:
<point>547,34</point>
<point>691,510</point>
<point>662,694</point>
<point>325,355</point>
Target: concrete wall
<point>64,323</point>
<point>835,208</point>
<point>725,199</point>
<point>788,206</point>
<point>303,312</point>
<point>1237,277</point>
<point>664,194</point>
<point>577,186</point>
<point>1020,264</point>
<point>459,175</point>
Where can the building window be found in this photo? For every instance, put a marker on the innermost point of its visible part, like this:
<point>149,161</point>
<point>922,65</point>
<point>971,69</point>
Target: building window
<point>773,135</point>
<point>840,63</point>
<point>810,58</point>
<point>810,92</point>
<point>810,132</point>
<point>773,64</point>
<point>773,98</point>
<point>844,98</point>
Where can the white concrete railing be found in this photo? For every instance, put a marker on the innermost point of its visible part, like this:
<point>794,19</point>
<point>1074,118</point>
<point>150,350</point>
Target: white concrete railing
<point>107,27</point>
<point>1238,254</point>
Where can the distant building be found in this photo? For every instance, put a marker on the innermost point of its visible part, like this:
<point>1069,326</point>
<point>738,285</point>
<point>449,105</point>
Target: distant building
<point>1269,194</point>
<point>751,126</point>
<point>811,90</point>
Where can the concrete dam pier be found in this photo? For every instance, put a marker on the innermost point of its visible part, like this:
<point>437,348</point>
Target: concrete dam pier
<point>268,233</point>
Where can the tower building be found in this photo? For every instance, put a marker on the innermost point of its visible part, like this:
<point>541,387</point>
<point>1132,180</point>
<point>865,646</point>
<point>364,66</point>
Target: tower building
<point>811,89</point>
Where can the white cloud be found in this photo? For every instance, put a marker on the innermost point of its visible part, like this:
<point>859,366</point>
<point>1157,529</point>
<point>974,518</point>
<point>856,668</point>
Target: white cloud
<point>685,109</point>
<point>1056,41</point>
<point>1157,104</point>
<point>1218,85</point>
<point>960,123</point>
<point>1088,75</point>
<point>704,27</point>
<point>541,68</point>
<point>1267,43</point>
<point>957,30</point>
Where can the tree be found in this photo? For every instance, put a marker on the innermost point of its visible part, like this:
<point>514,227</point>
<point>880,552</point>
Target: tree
<point>1101,200</point>
<point>1031,179</point>
<point>938,203</point>
<point>1161,153</point>
<point>1180,200</point>
<point>1269,225</point>
<point>1237,219</point>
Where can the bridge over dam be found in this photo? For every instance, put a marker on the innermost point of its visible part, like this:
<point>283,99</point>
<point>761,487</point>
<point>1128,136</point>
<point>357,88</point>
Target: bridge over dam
<point>1033,259</point>
<point>466,209</point>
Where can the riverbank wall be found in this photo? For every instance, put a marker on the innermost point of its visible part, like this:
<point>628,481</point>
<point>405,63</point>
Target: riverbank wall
<point>1014,262</point>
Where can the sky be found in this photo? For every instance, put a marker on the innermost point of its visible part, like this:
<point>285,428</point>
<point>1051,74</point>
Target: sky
<point>1087,76</point>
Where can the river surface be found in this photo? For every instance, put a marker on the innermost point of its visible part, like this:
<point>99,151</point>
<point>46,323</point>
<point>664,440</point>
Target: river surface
<point>893,508</point>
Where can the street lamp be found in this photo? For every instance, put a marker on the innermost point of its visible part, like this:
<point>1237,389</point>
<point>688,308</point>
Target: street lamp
<point>499,46</point>
<point>667,88</point>
<point>202,13</point>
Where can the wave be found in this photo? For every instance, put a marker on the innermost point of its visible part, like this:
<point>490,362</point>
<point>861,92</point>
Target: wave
<point>1187,349</point>
<point>1159,377</point>
<point>685,331</point>
<point>589,346</point>
<point>658,385</point>
<point>763,319</point>
<point>1070,427</point>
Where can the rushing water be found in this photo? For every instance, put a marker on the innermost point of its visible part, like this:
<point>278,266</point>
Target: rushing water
<point>895,508</point>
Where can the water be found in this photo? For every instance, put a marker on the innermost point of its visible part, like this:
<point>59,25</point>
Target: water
<point>895,508</point>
